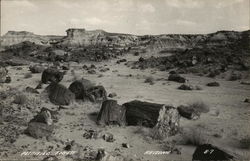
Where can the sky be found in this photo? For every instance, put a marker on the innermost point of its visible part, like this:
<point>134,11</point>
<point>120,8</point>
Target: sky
<point>140,17</point>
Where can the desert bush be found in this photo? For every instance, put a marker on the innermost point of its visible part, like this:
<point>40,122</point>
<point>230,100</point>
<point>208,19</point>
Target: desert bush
<point>245,143</point>
<point>20,99</point>
<point>27,75</point>
<point>149,80</point>
<point>195,137</point>
<point>199,106</point>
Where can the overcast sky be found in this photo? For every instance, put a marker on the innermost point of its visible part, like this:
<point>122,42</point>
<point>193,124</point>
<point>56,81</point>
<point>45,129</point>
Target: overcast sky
<point>125,16</point>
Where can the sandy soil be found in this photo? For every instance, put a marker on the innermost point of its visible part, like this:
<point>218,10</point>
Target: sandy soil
<point>229,116</point>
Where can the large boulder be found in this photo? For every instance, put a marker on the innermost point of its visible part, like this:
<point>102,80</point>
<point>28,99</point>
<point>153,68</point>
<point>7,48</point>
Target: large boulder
<point>208,152</point>
<point>176,78</point>
<point>52,75</point>
<point>111,113</point>
<point>80,87</point>
<point>96,93</point>
<point>59,95</point>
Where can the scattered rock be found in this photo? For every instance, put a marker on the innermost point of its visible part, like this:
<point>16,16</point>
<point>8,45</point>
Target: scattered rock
<point>149,80</point>
<point>209,152</point>
<point>245,82</point>
<point>8,79</point>
<point>39,86</point>
<point>67,147</point>
<point>39,130</point>
<point>111,113</point>
<point>36,69</point>
<point>213,84</point>
<point>185,87</point>
<point>60,95</point>
<point>108,137</point>
<point>247,100</point>
<point>125,145</point>
<point>112,95</point>
<point>31,90</point>
<point>96,93</point>
<point>176,78</point>
<point>65,67</point>
<point>52,75</point>
<point>91,134</point>
<point>188,112</point>
<point>51,158</point>
<point>92,71</point>
<point>44,116</point>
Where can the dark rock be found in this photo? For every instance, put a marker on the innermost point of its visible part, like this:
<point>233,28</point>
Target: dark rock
<point>185,87</point>
<point>213,84</point>
<point>92,71</point>
<point>247,100</point>
<point>172,72</point>
<point>31,90</point>
<point>39,86</point>
<point>108,137</point>
<point>39,130</point>
<point>67,147</point>
<point>52,75</point>
<point>3,74</point>
<point>44,116</point>
<point>80,87</point>
<point>208,152</point>
<point>176,78</point>
<point>92,66</point>
<point>111,113</point>
<point>36,69</point>
<point>125,145</point>
<point>51,158</point>
<point>136,54</point>
<point>188,112</point>
<point>141,59</point>
<point>60,95</point>
<point>8,79</point>
<point>96,93</point>
<point>91,134</point>
<point>65,67</point>
<point>112,95</point>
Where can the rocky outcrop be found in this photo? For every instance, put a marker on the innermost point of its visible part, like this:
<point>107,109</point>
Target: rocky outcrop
<point>15,37</point>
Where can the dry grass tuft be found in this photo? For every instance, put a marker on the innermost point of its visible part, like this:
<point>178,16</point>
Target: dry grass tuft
<point>195,137</point>
<point>20,99</point>
<point>27,75</point>
<point>199,106</point>
<point>245,143</point>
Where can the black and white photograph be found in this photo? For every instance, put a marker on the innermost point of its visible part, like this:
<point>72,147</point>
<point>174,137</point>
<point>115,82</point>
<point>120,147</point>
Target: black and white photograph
<point>125,80</point>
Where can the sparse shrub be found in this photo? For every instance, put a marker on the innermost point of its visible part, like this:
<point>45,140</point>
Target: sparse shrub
<point>195,137</point>
<point>27,75</point>
<point>20,99</point>
<point>199,106</point>
<point>149,80</point>
<point>245,143</point>
<point>235,76</point>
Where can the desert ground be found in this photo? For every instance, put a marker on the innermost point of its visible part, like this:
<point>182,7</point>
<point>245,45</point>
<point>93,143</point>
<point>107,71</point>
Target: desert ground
<point>224,125</point>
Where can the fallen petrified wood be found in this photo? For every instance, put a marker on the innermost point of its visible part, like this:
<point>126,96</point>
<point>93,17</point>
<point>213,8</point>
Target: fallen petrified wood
<point>80,87</point>
<point>162,117</point>
<point>39,130</point>
<point>111,113</point>
<point>52,75</point>
<point>96,93</point>
<point>59,95</point>
<point>210,152</point>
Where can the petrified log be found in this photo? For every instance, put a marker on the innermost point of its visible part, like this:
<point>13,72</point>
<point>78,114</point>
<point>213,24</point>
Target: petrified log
<point>188,112</point>
<point>59,95</point>
<point>96,93</point>
<point>162,117</point>
<point>208,152</point>
<point>52,75</point>
<point>111,113</point>
<point>80,87</point>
